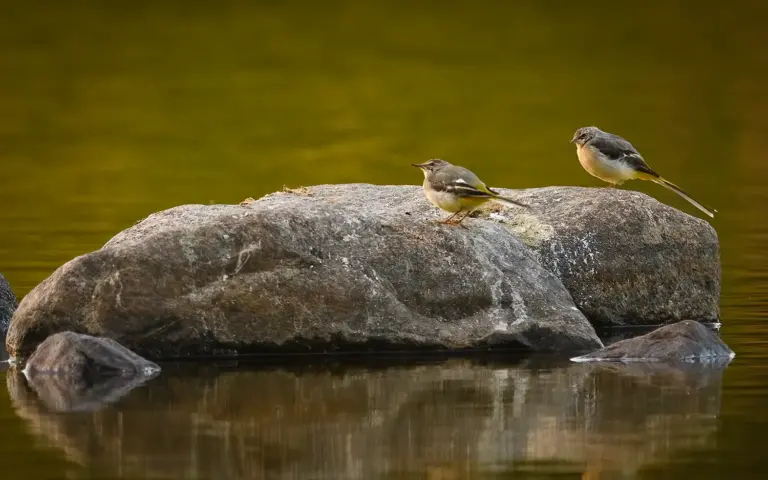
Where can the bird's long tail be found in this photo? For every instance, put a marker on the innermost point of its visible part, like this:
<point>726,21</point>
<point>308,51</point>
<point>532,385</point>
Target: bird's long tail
<point>495,195</point>
<point>510,201</point>
<point>671,186</point>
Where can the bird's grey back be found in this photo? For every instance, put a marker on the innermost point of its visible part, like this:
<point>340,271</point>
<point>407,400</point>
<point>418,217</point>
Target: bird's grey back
<point>618,142</point>
<point>456,172</point>
<point>616,148</point>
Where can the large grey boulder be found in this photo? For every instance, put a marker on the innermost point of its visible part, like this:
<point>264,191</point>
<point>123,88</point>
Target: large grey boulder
<point>328,268</point>
<point>7,304</point>
<point>338,267</point>
<point>685,341</point>
<point>626,258</point>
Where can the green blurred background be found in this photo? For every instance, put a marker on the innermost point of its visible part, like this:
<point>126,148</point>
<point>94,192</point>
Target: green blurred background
<point>113,110</point>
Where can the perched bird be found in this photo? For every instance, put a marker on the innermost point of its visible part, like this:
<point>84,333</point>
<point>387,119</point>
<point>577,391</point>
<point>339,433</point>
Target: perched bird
<point>455,189</point>
<point>614,160</point>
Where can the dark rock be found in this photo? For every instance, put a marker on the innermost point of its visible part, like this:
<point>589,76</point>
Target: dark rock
<point>682,341</point>
<point>7,304</point>
<point>626,258</point>
<point>611,335</point>
<point>327,268</point>
<point>84,358</point>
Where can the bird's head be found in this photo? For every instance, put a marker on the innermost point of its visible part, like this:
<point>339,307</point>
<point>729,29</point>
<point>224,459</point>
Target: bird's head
<point>431,166</point>
<point>585,134</point>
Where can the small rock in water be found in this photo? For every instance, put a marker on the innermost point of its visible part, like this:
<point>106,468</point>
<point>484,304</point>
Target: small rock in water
<point>85,357</point>
<point>74,372</point>
<point>686,341</point>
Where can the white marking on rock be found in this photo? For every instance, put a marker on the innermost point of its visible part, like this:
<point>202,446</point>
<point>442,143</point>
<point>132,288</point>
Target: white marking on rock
<point>150,370</point>
<point>245,255</point>
<point>188,250</point>
<point>518,307</point>
<point>119,286</point>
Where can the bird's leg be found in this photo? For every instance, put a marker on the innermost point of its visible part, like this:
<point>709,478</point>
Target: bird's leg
<point>466,214</point>
<point>448,220</point>
<point>611,185</point>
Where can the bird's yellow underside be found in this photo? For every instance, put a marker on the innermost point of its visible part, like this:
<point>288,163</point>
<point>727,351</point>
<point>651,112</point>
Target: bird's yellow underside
<point>606,170</point>
<point>453,203</point>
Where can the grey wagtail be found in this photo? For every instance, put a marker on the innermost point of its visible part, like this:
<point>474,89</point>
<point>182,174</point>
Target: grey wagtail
<point>614,160</point>
<point>455,189</point>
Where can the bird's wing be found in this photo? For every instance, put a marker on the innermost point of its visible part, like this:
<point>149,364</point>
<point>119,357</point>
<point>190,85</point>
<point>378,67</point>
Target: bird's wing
<point>617,149</point>
<point>462,182</point>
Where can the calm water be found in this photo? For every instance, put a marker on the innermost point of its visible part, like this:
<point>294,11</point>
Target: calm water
<point>113,110</point>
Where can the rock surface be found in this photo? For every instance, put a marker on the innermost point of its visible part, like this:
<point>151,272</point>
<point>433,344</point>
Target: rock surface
<point>366,267</point>
<point>85,358</point>
<point>626,258</point>
<point>682,341</point>
<point>7,304</point>
<point>332,267</point>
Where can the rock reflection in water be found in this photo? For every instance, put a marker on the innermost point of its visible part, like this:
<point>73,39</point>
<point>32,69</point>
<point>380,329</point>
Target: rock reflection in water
<point>64,394</point>
<point>453,419</point>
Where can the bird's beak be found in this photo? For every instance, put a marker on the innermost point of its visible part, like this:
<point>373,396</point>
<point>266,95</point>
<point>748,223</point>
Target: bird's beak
<point>419,165</point>
<point>573,140</point>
